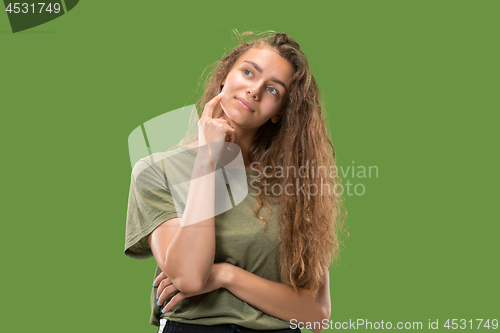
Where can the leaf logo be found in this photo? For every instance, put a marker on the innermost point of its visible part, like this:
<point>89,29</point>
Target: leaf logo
<point>155,168</point>
<point>28,14</point>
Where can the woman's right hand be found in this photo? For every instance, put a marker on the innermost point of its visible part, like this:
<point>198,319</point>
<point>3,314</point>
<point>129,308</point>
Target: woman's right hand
<point>216,131</point>
<point>218,274</point>
<point>165,288</point>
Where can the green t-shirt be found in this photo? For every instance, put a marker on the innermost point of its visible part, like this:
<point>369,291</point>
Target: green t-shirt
<point>241,240</point>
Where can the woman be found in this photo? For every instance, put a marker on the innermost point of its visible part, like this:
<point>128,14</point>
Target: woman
<point>264,263</point>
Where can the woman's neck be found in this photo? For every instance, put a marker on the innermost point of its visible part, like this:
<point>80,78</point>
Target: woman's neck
<point>244,140</point>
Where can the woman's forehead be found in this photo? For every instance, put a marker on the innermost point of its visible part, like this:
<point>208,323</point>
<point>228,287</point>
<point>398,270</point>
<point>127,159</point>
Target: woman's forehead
<point>269,61</point>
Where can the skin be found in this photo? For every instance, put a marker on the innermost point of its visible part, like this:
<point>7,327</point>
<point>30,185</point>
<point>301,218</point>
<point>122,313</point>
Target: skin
<point>274,298</point>
<point>185,254</point>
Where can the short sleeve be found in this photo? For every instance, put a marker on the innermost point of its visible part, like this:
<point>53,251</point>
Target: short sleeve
<point>150,204</point>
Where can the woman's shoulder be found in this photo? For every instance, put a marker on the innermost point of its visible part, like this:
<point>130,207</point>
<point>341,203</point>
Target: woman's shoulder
<point>193,145</point>
<point>160,164</point>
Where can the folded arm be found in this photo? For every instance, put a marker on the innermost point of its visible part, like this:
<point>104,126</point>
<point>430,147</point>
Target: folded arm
<point>277,299</point>
<point>184,249</point>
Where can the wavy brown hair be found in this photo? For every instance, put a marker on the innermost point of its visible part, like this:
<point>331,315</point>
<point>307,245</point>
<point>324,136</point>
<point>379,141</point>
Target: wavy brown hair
<point>309,224</point>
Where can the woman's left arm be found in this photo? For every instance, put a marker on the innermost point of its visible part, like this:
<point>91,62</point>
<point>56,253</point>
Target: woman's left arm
<point>277,299</point>
<point>273,298</point>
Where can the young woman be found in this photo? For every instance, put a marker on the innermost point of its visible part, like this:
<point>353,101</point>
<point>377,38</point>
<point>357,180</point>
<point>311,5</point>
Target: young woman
<point>263,264</point>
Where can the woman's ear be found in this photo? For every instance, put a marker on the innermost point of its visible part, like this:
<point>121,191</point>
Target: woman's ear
<point>275,119</point>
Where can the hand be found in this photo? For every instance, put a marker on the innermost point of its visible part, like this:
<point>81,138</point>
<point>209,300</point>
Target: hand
<point>165,287</point>
<point>216,131</point>
<point>214,282</point>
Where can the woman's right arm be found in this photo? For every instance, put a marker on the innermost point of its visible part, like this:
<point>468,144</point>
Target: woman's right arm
<point>186,253</point>
<point>184,248</point>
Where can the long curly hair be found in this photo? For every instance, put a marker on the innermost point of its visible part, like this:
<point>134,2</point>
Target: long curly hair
<point>309,224</point>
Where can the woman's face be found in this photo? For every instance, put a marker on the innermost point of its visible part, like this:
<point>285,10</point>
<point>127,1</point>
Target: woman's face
<point>256,87</point>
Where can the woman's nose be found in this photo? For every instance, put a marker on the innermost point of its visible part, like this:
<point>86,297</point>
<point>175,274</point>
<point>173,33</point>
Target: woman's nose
<point>255,90</point>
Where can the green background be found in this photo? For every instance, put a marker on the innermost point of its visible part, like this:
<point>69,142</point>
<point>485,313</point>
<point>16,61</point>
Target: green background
<point>409,86</point>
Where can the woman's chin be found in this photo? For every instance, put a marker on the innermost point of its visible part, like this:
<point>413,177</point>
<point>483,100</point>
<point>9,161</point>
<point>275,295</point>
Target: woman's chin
<point>235,116</point>
<point>231,116</point>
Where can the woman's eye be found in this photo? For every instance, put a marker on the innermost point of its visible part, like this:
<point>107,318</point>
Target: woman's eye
<point>247,72</point>
<point>273,91</point>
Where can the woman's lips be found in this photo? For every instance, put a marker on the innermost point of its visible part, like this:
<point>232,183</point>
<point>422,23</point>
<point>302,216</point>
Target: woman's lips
<point>244,104</point>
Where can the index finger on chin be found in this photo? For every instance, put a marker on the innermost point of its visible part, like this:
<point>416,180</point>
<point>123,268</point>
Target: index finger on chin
<point>210,105</point>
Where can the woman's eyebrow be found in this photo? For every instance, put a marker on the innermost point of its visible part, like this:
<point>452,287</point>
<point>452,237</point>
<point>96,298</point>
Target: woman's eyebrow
<point>257,67</point>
